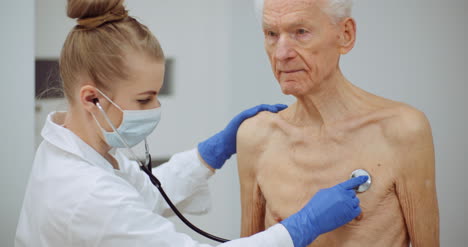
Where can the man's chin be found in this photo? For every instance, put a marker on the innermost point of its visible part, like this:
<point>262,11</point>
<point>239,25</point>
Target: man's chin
<point>291,88</point>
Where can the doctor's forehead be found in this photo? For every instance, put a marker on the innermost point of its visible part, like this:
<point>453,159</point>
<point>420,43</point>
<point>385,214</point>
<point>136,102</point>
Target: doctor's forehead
<point>274,10</point>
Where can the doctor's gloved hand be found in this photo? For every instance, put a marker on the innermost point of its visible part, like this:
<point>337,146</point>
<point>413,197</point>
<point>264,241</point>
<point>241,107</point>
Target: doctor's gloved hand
<point>328,210</point>
<point>220,147</point>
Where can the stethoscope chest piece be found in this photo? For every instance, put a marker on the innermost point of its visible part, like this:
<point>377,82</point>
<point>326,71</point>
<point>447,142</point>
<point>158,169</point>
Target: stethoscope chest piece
<point>365,186</point>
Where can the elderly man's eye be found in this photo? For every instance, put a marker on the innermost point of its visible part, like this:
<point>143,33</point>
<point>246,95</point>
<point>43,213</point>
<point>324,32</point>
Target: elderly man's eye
<point>301,31</point>
<point>271,34</point>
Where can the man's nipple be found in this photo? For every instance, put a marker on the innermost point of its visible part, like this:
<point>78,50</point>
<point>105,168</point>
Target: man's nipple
<point>277,219</point>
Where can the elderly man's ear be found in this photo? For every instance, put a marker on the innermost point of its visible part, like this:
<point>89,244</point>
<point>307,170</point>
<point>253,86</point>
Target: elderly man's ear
<point>347,35</point>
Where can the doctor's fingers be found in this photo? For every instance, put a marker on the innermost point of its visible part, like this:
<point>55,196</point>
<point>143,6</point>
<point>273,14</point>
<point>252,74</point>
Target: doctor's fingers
<point>355,202</point>
<point>350,193</point>
<point>273,108</point>
<point>256,109</point>
<point>280,107</point>
<point>357,211</point>
<point>353,183</point>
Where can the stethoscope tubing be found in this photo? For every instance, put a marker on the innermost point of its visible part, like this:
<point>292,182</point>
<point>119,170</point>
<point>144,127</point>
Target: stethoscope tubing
<point>157,184</point>
<point>148,170</point>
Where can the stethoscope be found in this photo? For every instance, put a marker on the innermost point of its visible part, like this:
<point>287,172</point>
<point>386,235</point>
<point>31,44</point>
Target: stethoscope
<point>147,168</point>
<point>365,186</point>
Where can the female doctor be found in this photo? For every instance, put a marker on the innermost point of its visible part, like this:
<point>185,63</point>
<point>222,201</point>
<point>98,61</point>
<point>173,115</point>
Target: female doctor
<point>84,192</point>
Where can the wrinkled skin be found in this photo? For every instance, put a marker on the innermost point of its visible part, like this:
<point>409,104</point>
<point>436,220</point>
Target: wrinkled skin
<point>333,129</point>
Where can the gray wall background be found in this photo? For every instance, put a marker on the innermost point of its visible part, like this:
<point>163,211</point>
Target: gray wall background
<point>411,51</point>
<point>16,110</point>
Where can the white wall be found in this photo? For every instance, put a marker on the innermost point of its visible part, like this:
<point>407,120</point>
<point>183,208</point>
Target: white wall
<point>410,51</point>
<point>16,109</point>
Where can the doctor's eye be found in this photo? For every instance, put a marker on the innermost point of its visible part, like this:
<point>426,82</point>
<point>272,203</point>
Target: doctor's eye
<point>144,101</point>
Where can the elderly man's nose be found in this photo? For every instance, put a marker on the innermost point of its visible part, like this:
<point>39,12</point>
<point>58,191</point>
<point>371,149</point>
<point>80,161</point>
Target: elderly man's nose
<point>284,50</point>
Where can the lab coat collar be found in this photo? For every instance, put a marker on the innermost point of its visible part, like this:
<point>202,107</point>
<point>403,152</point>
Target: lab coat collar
<point>64,139</point>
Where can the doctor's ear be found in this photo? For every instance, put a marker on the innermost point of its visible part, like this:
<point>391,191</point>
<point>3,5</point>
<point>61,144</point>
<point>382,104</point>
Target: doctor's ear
<point>89,97</point>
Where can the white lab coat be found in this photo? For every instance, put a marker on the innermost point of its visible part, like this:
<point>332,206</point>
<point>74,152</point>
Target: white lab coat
<point>75,198</point>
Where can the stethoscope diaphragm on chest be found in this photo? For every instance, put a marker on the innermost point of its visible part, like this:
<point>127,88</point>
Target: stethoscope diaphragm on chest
<point>365,186</point>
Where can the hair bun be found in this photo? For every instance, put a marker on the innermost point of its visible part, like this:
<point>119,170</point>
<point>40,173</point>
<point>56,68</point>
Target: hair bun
<point>94,13</point>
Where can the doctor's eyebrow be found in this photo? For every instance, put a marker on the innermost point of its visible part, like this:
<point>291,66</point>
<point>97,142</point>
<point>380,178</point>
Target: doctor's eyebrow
<point>151,92</point>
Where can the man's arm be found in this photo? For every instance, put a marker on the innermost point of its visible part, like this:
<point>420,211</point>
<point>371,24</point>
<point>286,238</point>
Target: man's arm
<point>416,187</point>
<point>252,200</point>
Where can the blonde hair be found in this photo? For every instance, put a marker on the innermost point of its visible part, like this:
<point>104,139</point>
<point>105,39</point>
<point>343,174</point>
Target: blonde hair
<point>96,48</point>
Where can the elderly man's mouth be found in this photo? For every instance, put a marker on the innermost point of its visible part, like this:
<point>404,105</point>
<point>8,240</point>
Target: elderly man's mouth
<point>291,71</point>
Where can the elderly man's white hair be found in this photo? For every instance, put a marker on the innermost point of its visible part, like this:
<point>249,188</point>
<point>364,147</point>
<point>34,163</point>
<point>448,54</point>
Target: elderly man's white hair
<point>336,9</point>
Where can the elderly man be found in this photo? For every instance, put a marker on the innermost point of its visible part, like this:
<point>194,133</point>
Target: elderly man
<point>331,130</point>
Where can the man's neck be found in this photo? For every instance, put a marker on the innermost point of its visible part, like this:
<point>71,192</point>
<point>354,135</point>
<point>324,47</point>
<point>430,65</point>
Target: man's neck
<point>332,101</point>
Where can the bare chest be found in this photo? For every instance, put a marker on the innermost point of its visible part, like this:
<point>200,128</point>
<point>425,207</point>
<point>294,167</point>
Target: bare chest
<point>290,172</point>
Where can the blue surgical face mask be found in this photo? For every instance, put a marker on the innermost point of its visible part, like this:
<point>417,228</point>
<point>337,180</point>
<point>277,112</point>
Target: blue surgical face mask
<point>135,127</point>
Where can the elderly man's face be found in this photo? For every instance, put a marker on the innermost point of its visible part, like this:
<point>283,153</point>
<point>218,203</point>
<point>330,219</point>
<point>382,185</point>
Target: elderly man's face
<point>302,43</point>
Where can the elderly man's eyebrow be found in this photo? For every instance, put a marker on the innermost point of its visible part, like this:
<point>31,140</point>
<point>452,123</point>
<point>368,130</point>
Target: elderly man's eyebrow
<point>267,25</point>
<point>291,24</point>
<point>298,22</point>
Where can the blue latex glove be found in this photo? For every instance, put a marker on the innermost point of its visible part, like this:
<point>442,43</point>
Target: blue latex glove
<point>220,147</point>
<point>329,209</point>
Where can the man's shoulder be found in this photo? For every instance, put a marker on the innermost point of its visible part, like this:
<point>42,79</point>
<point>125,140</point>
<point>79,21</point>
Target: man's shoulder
<point>405,124</point>
<point>255,130</point>
<point>408,133</point>
<point>252,139</point>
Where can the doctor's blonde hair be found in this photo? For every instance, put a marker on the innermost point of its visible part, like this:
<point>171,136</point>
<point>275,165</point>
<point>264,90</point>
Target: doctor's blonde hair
<point>96,48</point>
